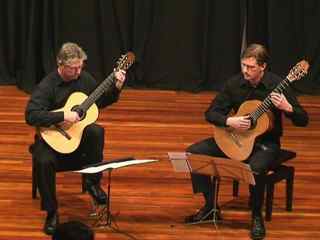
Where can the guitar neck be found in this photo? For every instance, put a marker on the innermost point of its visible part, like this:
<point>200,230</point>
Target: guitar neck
<point>267,103</point>
<point>103,87</point>
<point>122,64</point>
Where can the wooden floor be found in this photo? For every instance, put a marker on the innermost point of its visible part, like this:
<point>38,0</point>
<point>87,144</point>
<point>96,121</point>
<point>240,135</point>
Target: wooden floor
<point>150,201</point>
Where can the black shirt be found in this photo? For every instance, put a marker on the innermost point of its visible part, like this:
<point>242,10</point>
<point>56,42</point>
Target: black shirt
<point>53,92</point>
<point>238,90</point>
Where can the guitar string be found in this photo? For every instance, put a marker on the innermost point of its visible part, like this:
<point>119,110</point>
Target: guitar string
<point>265,105</point>
<point>104,86</point>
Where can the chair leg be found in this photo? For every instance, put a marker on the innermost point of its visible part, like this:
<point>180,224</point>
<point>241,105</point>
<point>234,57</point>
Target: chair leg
<point>287,173</point>
<point>34,181</point>
<point>269,201</point>
<point>35,185</point>
<point>289,183</point>
<point>83,184</point>
<point>235,188</point>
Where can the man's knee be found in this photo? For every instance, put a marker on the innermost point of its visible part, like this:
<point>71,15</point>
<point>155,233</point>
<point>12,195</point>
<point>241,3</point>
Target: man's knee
<point>95,131</point>
<point>192,149</point>
<point>259,169</point>
<point>42,155</point>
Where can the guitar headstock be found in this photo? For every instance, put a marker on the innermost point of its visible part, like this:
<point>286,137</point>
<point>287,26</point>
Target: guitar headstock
<point>298,71</point>
<point>125,61</point>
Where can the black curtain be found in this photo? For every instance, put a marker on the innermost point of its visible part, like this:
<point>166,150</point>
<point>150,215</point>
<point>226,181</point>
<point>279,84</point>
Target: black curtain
<point>182,44</point>
<point>28,41</point>
<point>289,29</point>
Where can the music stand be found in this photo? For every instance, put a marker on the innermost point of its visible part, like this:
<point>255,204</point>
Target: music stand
<point>104,216</point>
<point>214,167</point>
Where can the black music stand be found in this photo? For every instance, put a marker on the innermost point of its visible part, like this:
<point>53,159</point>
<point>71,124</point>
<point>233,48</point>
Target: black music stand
<point>103,212</point>
<point>214,167</point>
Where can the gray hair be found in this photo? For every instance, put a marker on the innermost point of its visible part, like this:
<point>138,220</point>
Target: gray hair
<point>70,51</point>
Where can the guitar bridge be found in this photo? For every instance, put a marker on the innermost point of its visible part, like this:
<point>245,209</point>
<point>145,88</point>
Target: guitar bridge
<point>63,132</point>
<point>235,138</point>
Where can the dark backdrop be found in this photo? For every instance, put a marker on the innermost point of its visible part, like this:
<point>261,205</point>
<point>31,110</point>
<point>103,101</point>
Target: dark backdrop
<point>181,44</point>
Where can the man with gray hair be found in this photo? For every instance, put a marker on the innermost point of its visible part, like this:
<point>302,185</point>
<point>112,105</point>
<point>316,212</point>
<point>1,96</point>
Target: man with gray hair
<point>52,93</point>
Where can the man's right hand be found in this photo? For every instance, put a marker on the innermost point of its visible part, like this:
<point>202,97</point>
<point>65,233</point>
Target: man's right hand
<point>71,117</point>
<point>241,123</point>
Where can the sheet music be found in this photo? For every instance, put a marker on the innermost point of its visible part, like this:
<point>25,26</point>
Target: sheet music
<point>178,155</point>
<point>235,170</point>
<point>211,166</point>
<point>179,161</point>
<point>114,165</point>
<point>180,165</point>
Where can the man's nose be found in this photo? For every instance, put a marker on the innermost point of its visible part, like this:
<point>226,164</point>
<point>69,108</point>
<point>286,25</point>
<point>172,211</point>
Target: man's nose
<point>245,70</point>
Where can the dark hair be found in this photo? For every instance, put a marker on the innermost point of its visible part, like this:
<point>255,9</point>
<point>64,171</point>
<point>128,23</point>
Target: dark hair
<point>73,230</point>
<point>257,51</point>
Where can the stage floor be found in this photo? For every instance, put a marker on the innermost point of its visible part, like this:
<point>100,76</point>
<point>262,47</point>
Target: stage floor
<point>150,201</point>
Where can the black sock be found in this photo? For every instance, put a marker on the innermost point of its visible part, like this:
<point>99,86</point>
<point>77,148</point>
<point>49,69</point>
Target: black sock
<point>51,213</point>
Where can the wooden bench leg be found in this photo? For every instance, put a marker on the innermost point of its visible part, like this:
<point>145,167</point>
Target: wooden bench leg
<point>34,181</point>
<point>235,188</point>
<point>289,186</point>
<point>83,184</point>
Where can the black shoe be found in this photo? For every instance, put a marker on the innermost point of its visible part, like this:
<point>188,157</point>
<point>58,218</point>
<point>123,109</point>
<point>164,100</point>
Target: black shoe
<point>51,223</point>
<point>258,230</point>
<point>203,215</point>
<point>98,194</point>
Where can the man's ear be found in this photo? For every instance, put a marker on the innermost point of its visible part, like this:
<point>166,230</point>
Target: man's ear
<point>264,66</point>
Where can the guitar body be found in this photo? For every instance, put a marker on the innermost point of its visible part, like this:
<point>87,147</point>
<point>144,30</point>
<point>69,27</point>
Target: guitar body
<point>238,144</point>
<point>58,141</point>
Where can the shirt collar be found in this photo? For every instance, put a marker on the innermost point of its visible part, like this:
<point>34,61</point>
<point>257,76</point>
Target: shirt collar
<point>59,79</point>
<point>265,81</point>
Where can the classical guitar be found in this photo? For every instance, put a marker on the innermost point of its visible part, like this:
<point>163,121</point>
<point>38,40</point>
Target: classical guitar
<point>238,144</point>
<point>66,139</point>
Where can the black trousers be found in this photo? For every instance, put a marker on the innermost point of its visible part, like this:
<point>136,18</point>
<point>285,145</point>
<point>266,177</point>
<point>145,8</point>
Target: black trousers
<point>260,161</point>
<point>48,162</point>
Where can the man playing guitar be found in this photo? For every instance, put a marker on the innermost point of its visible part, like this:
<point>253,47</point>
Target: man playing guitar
<point>253,83</point>
<point>52,93</point>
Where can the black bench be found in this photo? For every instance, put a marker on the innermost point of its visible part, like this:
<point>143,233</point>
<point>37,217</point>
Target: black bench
<point>34,176</point>
<point>278,173</point>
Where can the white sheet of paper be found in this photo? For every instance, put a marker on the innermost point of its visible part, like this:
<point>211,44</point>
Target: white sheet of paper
<point>115,165</point>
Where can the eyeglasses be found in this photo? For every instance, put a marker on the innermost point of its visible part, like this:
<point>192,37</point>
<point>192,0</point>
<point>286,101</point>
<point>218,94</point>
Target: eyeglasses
<point>74,67</point>
<point>249,67</point>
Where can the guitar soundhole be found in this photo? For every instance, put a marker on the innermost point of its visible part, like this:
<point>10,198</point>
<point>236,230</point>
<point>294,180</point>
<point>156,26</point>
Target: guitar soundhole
<point>81,112</point>
<point>253,123</point>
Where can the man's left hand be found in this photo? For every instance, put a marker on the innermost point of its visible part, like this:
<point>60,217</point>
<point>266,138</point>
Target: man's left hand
<point>120,78</point>
<point>281,102</point>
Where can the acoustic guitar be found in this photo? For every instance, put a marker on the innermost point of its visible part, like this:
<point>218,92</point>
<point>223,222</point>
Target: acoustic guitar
<point>238,144</point>
<point>66,138</point>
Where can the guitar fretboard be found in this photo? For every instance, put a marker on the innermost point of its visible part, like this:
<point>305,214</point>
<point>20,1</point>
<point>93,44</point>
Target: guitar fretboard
<point>267,103</point>
<point>104,86</point>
